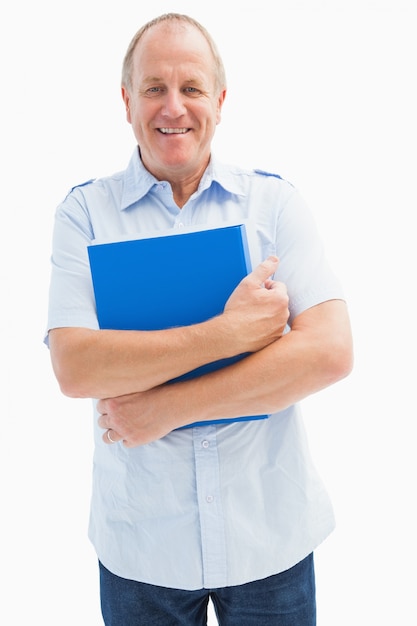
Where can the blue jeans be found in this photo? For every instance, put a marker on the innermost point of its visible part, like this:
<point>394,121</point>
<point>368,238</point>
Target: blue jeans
<point>286,599</point>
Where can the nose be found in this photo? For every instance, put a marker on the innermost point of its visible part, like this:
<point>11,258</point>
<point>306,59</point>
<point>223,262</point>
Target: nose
<point>174,105</point>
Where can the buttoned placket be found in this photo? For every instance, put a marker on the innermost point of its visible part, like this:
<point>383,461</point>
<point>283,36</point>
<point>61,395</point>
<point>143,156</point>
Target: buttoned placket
<point>212,527</point>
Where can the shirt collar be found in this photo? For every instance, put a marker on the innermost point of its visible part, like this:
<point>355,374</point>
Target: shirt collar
<point>139,181</point>
<point>224,175</point>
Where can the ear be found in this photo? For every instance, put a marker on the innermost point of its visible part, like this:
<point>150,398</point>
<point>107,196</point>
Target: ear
<point>222,96</point>
<point>126,100</point>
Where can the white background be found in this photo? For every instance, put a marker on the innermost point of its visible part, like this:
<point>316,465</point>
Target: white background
<point>321,92</point>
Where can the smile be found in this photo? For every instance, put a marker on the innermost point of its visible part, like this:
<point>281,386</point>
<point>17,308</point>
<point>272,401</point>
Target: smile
<point>173,131</point>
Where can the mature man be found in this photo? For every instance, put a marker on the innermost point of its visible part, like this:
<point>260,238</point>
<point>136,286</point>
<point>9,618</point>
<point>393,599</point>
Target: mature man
<point>233,511</point>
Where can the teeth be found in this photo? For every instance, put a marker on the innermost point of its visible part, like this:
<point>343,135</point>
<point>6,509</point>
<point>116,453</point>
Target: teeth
<point>172,131</point>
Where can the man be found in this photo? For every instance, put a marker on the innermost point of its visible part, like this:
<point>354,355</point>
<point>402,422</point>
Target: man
<point>235,511</point>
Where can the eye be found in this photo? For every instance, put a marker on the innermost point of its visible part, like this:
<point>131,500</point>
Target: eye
<point>152,91</point>
<point>191,90</point>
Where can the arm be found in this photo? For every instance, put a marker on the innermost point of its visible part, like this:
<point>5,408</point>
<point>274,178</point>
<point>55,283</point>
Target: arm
<point>105,363</point>
<point>316,353</point>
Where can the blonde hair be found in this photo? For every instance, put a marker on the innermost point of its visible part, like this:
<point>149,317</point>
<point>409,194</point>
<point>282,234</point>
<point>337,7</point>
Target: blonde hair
<point>220,74</point>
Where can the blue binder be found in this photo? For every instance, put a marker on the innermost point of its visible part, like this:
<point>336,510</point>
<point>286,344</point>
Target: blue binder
<point>170,280</point>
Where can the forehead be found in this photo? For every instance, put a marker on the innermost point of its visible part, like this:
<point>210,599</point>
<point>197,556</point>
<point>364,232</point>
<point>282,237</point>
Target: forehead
<point>168,46</point>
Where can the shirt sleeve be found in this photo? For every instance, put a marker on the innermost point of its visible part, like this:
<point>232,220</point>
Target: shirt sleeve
<point>304,267</point>
<point>71,294</point>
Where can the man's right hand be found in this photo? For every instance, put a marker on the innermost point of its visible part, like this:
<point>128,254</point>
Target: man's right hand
<point>258,307</point>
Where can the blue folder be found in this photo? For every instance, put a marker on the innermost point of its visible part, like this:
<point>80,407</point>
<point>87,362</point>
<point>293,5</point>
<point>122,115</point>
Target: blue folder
<point>171,280</point>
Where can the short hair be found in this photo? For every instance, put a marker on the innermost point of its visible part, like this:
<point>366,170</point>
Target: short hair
<point>219,71</point>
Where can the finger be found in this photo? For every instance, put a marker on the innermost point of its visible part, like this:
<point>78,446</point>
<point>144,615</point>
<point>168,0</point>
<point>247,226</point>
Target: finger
<point>276,285</point>
<point>101,406</point>
<point>110,436</point>
<point>264,270</point>
<point>271,284</point>
<point>102,421</point>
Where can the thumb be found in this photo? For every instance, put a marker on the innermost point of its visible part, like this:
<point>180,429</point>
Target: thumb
<point>265,269</point>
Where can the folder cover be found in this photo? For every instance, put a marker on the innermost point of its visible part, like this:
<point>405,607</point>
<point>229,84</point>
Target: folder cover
<point>169,280</point>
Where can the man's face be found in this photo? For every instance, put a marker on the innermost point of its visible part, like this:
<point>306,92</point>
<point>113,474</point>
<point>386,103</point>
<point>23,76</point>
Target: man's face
<point>173,103</point>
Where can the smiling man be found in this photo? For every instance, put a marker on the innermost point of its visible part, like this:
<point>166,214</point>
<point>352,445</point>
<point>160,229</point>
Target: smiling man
<point>233,511</point>
<point>173,103</point>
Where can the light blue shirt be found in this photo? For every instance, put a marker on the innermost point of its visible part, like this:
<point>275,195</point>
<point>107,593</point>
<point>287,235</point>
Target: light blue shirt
<point>216,505</point>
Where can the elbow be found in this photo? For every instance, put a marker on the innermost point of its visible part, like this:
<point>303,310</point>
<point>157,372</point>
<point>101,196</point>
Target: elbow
<point>337,345</point>
<point>69,366</point>
<point>339,360</point>
<point>72,390</point>
<point>69,382</point>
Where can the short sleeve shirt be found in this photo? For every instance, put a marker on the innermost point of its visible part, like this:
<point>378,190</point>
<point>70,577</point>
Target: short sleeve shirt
<point>216,505</point>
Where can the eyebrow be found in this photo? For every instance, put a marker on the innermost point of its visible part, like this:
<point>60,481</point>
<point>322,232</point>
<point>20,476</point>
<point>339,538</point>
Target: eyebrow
<point>152,79</point>
<point>158,79</point>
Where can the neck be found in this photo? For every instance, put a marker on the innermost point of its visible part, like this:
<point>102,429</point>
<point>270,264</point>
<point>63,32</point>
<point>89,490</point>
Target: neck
<point>183,183</point>
<point>183,192</point>
<point>184,186</point>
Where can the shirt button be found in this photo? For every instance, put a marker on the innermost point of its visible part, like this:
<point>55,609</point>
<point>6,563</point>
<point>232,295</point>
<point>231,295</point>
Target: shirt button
<point>180,225</point>
<point>209,499</point>
<point>205,443</point>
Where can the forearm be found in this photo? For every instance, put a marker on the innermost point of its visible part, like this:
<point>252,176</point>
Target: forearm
<point>106,363</point>
<point>314,354</point>
<point>295,366</point>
